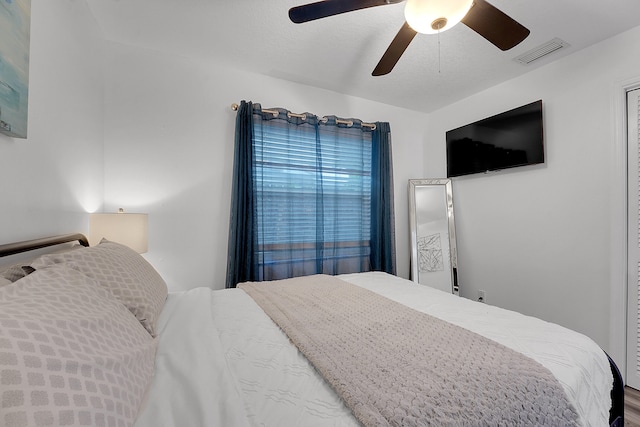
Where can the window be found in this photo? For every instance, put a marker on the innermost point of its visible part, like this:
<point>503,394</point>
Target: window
<point>310,196</point>
<point>313,188</point>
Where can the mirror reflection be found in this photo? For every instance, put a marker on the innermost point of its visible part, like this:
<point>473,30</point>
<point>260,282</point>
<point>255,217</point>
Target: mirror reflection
<point>433,245</point>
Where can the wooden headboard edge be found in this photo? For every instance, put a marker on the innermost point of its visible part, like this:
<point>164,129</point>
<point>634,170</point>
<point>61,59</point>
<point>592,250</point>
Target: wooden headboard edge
<point>29,245</point>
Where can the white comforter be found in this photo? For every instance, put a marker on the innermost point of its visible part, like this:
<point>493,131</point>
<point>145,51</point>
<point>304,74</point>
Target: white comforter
<point>222,362</point>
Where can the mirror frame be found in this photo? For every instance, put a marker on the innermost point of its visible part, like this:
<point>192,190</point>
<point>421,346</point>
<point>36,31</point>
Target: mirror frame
<point>413,227</point>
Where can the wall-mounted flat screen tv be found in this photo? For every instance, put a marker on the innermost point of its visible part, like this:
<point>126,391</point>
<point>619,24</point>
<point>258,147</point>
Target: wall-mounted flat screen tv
<point>506,140</point>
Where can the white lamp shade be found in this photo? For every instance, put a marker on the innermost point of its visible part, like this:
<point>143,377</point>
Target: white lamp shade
<point>420,14</point>
<point>129,229</point>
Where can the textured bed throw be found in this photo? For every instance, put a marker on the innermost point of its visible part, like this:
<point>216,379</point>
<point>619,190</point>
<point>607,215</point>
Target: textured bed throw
<point>393,365</point>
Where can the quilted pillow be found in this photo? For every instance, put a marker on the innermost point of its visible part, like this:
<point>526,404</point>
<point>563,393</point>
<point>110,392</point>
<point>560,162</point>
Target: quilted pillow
<point>70,353</point>
<point>123,271</point>
<point>16,272</point>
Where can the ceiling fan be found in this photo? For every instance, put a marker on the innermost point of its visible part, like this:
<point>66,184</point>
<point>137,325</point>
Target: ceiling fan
<point>427,17</point>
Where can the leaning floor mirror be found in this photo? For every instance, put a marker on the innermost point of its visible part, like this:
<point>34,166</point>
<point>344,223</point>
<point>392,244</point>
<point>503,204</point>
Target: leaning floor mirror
<point>434,260</point>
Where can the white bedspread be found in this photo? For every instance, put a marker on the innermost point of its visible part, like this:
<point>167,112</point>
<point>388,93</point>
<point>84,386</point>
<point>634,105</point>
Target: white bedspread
<point>222,362</point>
<point>192,385</point>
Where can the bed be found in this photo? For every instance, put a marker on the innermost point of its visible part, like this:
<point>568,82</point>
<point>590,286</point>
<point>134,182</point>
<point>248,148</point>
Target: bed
<point>216,358</point>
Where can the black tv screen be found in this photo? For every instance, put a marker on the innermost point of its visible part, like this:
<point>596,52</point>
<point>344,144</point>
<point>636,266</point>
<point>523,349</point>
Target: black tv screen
<point>506,140</point>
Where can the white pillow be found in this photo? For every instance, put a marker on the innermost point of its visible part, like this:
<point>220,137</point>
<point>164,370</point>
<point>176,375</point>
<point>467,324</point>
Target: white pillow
<point>124,272</point>
<point>70,353</point>
<point>16,272</point>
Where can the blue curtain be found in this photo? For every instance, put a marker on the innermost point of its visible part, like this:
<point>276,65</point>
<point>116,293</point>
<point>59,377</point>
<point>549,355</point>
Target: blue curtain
<point>242,260</point>
<point>383,236</point>
<point>315,196</point>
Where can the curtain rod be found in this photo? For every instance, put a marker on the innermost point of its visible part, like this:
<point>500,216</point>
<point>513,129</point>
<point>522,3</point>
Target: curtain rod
<point>275,113</point>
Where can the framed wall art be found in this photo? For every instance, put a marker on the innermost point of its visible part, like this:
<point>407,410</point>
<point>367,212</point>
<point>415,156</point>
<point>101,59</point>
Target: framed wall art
<point>15,28</point>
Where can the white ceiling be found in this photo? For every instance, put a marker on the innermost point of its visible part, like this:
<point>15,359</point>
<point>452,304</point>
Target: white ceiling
<point>338,53</point>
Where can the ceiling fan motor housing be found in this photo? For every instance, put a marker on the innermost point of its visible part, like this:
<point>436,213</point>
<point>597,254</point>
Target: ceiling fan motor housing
<point>439,24</point>
<point>433,16</point>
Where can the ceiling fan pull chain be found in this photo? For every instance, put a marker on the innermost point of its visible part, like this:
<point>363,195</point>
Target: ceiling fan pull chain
<point>438,50</point>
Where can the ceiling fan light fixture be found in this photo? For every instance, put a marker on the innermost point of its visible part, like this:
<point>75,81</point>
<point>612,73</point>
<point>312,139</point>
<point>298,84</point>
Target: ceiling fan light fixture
<point>433,16</point>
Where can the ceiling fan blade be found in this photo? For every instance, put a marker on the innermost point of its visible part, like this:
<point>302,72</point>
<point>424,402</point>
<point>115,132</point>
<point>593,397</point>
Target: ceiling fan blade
<point>322,9</point>
<point>395,50</point>
<point>494,25</point>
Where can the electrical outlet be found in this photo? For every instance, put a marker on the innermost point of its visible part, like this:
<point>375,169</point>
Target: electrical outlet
<point>481,296</point>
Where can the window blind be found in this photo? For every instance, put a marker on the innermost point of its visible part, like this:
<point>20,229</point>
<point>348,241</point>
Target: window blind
<point>310,189</point>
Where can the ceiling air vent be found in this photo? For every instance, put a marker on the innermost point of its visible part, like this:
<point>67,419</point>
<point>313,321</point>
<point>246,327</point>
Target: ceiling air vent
<point>540,51</point>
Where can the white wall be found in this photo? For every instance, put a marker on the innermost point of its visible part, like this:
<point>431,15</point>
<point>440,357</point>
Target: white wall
<point>49,180</point>
<point>538,239</point>
<point>169,134</point>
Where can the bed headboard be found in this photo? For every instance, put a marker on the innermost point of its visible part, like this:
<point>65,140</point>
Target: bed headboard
<point>29,245</point>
